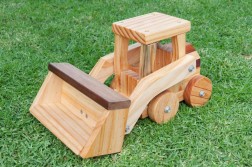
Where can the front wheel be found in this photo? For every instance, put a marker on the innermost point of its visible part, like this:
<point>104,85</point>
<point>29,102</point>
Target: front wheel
<point>163,107</point>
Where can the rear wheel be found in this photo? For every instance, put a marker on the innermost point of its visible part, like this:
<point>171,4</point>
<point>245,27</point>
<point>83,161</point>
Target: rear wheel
<point>198,91</point>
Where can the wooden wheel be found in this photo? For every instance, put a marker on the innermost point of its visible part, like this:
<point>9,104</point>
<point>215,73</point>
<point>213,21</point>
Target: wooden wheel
<point>163,107</point>
<point>198,91</point>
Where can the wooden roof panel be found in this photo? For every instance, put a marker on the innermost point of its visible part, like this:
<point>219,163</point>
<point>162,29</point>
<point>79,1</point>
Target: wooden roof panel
<point>151,27</point>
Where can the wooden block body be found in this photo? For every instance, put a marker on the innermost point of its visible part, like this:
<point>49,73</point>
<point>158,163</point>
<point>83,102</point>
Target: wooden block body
<point>163,57</point>
<point>157,82</point>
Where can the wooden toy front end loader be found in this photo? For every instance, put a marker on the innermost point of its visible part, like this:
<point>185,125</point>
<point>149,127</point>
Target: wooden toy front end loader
<point>150,79</point>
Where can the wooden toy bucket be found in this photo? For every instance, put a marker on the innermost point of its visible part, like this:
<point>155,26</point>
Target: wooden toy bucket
<point>87,116</point>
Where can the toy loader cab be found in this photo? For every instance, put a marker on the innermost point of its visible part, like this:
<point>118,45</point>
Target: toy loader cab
<point>150,79</point>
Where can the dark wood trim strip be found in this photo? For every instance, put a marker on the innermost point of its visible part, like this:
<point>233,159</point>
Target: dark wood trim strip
<point>89,86</point>
<point>197,63</point>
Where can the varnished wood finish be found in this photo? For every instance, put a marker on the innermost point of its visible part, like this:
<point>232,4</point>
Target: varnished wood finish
<point>151,28</point>
<point>83,125</point>
<point>108,135</point>
<point>165,54</point>
<point>133,53</point>
<point>95,90</point>
<point>120,58</point>
<point>90,118</point>
<point>155,83</point>
<point>192,92</point>
<point>163,57</point>
<point>180,87</point>
<point>147,59</point>
<point>104,68</point>
<point>145,113</point>
<point>168,47</point>
<point>178,46</point>
<point>50,90</point>
<point>156,108</point>
<point>129,80</point>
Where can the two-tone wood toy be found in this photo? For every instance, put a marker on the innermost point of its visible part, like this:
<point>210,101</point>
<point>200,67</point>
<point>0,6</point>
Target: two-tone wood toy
<point>150,79</point>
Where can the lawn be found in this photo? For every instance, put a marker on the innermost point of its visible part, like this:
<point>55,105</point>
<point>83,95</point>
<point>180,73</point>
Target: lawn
<point>34,33</point>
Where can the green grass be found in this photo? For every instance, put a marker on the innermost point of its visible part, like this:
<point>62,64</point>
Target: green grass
<point>34,33</point>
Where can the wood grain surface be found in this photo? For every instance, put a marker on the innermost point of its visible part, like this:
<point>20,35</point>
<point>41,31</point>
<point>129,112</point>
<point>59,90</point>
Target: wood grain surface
<point>152,27</point>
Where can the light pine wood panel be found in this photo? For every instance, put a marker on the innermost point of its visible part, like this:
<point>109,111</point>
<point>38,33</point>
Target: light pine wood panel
<point>163,57</point>
<point>50,90</point>
<point>180,95</point>
<point>108,136</point>
<point>124,82</point>
<point>178,46</point>
<point>133,81</point>
<point>83,125</point>
<point>120,58</point>
<point>150,28</point>
<point>66,122</point>
<point>42,89</point>
<point>147,59</point>
<point>55,127</point>
<point>133,53</point>
<point>129,80</point>
<point>103,68</point>
<point>81,101</point>
<point>77,109</point>
<point>83,121</point>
